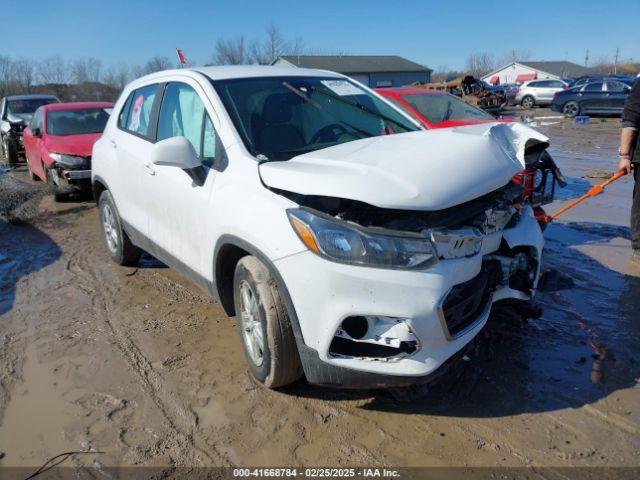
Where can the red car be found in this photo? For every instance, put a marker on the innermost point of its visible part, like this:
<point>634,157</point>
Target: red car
<point>58,144</point>
<point>435,109</point>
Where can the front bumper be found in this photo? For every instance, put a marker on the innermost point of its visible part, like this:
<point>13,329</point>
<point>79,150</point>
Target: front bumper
<point>70,180</point>
<point>325,293</point>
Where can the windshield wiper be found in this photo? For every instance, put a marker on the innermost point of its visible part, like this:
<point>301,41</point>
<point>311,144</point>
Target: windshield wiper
<point>362,108</point>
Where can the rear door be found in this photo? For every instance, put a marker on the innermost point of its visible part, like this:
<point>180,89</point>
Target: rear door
<point>131,144</point>
<point>592,97</point>
<point>616,94</point>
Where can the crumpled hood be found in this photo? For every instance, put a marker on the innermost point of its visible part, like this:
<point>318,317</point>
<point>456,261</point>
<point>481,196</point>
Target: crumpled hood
<point>80,145</point>
<point>19,117</point>
<point>426,170</point>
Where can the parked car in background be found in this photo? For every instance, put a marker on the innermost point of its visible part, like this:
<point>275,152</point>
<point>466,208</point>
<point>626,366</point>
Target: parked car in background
<point>510,92</point>
<point>351,244</point>
<point>538,92</point>
<point>599,97</point>
<point>58,144</point>
<point>580,81</point>
<point>15,113</point>
<point>435,109</point>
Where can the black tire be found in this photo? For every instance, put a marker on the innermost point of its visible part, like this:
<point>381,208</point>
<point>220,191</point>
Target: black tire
<point>119,246</point>
<point>273,360</point>
<point>571,109</point>
<point>10,150</point>
<point>528,101</point>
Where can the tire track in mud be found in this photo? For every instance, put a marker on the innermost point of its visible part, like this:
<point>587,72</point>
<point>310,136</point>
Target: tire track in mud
<point>193,450</point>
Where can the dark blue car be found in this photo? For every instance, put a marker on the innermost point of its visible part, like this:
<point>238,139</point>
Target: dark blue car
<point>604,97</point>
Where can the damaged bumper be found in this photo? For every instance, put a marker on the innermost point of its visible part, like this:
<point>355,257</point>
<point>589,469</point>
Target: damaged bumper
<point>385,327</point>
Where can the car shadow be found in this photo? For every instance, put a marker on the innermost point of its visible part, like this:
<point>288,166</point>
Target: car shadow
<point>24,249</point>
<point>583,347</point>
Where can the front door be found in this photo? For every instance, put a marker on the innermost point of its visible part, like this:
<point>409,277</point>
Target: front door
<point>179,202</point>
<point>616,96</point>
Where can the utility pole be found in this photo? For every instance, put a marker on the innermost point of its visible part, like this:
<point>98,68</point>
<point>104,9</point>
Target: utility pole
<point>616,55</point>
<point>586,58</point>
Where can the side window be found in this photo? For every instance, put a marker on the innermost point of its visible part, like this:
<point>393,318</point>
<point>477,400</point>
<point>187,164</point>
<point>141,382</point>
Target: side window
<point>124,113</point>
<point>593,87</point>
<point>181,115</point>
<point>36,121</point>
<point>209,142</point>
<point>557,84</point>
<point>140,110</point>
<point>533,84</point>
<point>616,87</point>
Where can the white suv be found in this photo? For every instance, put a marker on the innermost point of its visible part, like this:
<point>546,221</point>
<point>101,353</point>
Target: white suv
<point>538,92</point>
<point>352,245</point>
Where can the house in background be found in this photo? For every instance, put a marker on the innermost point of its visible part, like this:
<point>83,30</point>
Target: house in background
<point>518,72</point>
<point>372,70</point>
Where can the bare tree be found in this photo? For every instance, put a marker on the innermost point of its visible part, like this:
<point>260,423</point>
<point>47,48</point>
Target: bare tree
<point>86,70</point>
<point>24,74</point>
<point>155,64</point>
<point>480,63</point>
<point>230,52</point>
<point>53,70</point>
<point>117,76</point>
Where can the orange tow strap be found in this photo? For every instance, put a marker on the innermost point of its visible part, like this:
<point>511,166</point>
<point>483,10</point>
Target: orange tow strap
<point>593,191</point>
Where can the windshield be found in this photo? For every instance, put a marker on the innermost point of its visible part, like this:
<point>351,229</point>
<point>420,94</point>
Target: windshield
<point>281,117</point>
<point>28,106</point>
<point>77,122</point>
<point>438,108</point>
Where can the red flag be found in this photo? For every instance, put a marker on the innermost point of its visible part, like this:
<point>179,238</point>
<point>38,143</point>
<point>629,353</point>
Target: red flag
<point>181,57</point>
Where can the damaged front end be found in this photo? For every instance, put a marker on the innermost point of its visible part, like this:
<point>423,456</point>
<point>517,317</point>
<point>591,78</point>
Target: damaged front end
<point>431,274</point>
<point>70,173</point>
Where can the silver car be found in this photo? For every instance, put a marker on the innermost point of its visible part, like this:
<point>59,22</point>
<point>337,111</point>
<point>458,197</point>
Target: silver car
<point>538,92</point>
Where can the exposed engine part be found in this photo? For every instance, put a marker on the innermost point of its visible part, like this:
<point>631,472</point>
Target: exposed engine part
<point>519,268</point>
<point>374,338</point>
<point>464,242</point>
<point>472,213</point>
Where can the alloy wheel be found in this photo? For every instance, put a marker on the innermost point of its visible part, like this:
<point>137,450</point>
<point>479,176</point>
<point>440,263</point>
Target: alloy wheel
<point>570,109</point>
<point>110,228</point>
<point>252,331</point>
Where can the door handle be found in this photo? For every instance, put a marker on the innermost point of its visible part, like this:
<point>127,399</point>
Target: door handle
<point>149,168</point>
<point>113,143</point>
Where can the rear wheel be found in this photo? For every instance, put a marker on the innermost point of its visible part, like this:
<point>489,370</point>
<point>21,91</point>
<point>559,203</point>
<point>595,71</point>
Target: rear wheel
<point>118,244</point>
<point>571,109</point>
<point>265,329</point>
<point>528,102</point>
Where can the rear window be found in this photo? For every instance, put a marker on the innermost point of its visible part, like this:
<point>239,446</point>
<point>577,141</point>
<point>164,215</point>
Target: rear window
<point>77,122</point>
<point>138,108</point>
<point>29,105</point>
<point>437,108</point>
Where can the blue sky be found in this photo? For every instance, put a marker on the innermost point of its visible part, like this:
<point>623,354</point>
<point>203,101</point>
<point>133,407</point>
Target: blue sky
<point>444,33</point>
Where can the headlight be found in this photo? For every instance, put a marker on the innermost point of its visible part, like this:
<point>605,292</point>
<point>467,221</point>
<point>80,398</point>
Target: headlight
<point>342,242</point>
<point>69,161</point>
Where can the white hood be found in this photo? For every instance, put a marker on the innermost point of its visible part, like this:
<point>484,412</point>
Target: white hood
<point>425,170</point>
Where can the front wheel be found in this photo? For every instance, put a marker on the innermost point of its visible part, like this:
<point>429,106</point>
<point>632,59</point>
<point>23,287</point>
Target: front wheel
<point>571,109</point>
<point>265,329</point>
<point>10,151</point>
<point>118,244</point>
<point>528,102</point>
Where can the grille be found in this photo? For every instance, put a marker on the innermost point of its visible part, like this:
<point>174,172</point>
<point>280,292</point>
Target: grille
<point>466,301</point>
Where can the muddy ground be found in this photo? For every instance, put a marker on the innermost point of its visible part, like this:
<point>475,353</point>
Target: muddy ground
<point>139,364</point>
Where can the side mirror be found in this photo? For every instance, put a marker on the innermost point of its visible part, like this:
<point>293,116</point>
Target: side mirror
<point>36,132</point>
<point>175,152</point>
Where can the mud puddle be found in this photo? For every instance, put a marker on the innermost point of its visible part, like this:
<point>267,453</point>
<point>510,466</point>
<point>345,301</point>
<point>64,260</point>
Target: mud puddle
<point>140,364</point>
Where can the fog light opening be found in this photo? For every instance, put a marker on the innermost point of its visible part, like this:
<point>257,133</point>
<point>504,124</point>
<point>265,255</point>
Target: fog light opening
<point>355,327</point>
